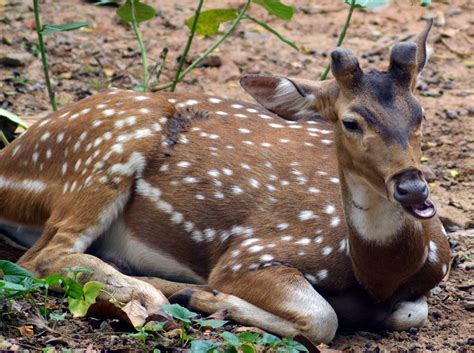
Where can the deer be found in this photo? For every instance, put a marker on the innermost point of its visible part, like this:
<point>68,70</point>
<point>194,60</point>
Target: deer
<point>301,214</point>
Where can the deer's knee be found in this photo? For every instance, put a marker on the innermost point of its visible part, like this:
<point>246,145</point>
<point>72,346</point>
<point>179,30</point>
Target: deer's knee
<point>408,314</point>
<point>319,326</point>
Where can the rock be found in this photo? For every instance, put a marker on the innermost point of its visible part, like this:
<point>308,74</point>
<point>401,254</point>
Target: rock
<point>15,59</point>
<point>455,11</point>
<point>451,216</point>
<point>211,61</point>
<point>470,111</point>
<point>428,173</point>
<point>451,114</point>
<point>469,305</point>
<point>228,71</point>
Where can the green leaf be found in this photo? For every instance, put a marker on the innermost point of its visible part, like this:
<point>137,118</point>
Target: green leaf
<point>270,339</point>
<point>79,307</point>
<point>13,118</point>
<point>14,273</point>
<point>230,338</point>
<point>73,289</point>
<point>47,29</point>
<point>368,4</point>
<point>53,279</point>
<point>425,3</point>
<point>77,270</point>
<point>91,291</point>
<point>249,337</point>
<point>143,12</point>
<point>293,345</point>
<point>179,312</point>
<point>56,316</point>
<point>210,20</point>
<point>211,323</point>
<point>245,348</point>
<point>276,8</point>
<point>201,346</point>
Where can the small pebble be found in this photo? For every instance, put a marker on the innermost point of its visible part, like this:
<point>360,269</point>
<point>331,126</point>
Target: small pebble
<point>451,114</point>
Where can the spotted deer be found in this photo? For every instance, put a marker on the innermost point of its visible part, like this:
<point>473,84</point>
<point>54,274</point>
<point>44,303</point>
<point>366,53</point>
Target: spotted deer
<point>289,221</point>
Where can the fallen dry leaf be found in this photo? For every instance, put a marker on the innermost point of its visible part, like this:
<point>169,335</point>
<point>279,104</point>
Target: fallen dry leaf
<point>26,330</point>
<point>107,310</point>
<point>135,312</point>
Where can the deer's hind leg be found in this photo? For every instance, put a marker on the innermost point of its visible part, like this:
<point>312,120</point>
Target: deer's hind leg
<point>72,228</point>
<point>276,299</point>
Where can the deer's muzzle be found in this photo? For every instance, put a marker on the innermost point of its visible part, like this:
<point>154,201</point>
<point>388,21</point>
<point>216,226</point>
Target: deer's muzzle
<point>411,191</point>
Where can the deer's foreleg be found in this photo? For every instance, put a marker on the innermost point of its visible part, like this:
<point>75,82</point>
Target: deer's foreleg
<point>67,235</point>
<point>277,299</point>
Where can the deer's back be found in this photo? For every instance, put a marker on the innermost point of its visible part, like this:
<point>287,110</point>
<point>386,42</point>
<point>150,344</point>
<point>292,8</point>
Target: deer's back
<point>215,181</point>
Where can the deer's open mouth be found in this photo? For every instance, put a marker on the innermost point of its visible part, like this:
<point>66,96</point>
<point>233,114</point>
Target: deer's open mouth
<point>426,210</point>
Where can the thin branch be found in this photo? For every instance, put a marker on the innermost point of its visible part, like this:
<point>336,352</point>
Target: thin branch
<point>42,50</point>
<point>211,48</point>
<point>342,35</point>
<point>273,31</point>
<point>188,45</point>
<point>142,45</point>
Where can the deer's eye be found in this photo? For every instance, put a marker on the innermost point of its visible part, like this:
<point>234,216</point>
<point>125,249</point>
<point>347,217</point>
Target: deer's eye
<point>351,125</point>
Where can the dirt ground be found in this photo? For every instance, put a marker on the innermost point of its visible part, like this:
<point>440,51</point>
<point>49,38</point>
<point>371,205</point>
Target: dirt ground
<point>89,60</point>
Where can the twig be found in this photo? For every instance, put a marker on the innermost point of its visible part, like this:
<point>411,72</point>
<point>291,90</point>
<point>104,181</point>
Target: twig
<point>210,49</point>
<point>188,45</point>
<point>342,35</point>
<point>142,46</point>
<point>271,30</point>
<point>156,71</point>
<point>43,55</point>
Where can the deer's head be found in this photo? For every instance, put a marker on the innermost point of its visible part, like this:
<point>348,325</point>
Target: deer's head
<point>377,120</point>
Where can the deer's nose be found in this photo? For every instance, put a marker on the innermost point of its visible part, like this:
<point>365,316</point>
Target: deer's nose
<point>410,188</point>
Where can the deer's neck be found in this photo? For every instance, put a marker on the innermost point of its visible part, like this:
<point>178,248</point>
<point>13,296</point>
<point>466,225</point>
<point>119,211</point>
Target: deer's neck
<point>386,246</point>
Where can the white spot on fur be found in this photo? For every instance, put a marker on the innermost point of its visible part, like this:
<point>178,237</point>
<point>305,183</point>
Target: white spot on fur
<point>433,252</point>
<point>303,241</point>
<point>306,215</point>
<point>266,257</point>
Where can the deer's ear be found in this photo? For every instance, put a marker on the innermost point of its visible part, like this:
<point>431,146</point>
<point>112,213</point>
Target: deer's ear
<point>292,99</point>
<point>422,48</point>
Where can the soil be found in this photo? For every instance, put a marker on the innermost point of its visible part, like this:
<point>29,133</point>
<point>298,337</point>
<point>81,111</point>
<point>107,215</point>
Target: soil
<point>86,61</point>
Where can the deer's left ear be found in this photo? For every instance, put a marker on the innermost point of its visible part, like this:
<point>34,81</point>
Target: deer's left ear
<point>421,41</point>
<point>293,99</point>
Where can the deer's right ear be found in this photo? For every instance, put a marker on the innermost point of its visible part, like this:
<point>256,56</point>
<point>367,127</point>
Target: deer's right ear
<point>292,99</point>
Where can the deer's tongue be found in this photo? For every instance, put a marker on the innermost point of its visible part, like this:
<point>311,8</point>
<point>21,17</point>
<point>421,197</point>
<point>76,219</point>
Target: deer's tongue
<point>423,211</point>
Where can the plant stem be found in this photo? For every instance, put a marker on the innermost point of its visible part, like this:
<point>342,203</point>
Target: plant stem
<point>188,45</point>
<point>342,35</point>
<point>4,139</point>
<point>271,30</point>
<point>43,55</point>
<point>211,48</point>
<point>142,46</point>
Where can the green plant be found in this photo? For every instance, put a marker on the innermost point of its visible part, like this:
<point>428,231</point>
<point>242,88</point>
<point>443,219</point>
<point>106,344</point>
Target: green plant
<point>136,12</point>
<point>207,23</point>
<point>20,283</point>
<point>9,122</point>
<point>45,30</point>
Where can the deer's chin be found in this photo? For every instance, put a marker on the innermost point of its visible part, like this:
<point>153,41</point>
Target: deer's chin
<point>426,210</point>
